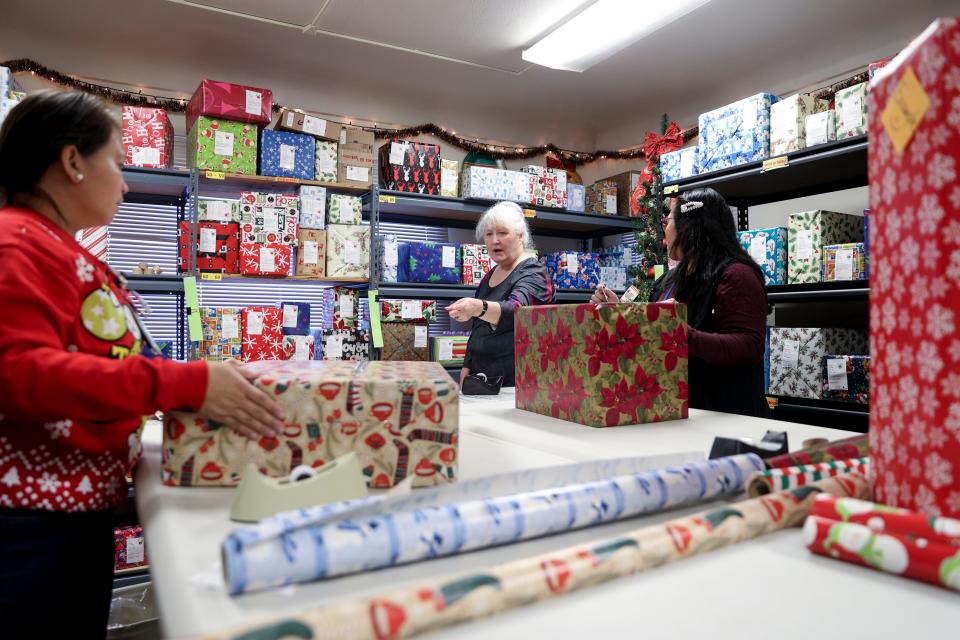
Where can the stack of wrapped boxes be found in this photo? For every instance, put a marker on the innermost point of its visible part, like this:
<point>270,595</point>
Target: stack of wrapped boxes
<point>798,361</point>
<point>324,135</point>
<point>788,122</point>
<point>312,233</point>
<point>809,233</point>
<point>222,125</point>
<point>269,225</point>
<point>298,343</point>
<point>346,340</point>
<point>476,263</point>
<point>348,241</point>
<point>405,329</point>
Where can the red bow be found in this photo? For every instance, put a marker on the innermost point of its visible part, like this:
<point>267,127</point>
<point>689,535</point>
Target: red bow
<point>654,146</point>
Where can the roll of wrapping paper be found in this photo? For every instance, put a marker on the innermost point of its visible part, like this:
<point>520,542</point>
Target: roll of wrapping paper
<point>896,553</point>
<point>351,544</point>
<point>783,478</point>
<point>412,610</point>
<point>855,447</point>
<point>881,518</point>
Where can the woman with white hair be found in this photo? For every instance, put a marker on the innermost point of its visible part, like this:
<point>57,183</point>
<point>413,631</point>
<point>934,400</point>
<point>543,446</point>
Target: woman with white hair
<point>516,280</point>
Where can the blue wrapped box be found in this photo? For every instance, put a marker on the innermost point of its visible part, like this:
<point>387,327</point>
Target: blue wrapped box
<point>614,278</point>
<point>287,155</point>
<point>573,270</point>
<point>429,262</point>
<point>620,256</point>
<point>576,197</point>
<point>389,262</point>
<point>679,164</point>
<point>735,134</point>
<point>768,248</point>
<point>296,318</point>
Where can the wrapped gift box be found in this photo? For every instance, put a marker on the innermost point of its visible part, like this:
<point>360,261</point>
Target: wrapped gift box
<point>914,407</point>
<point>262,334</point>
<point>626,184</point>
<point>296,318</point>
<point>408,166</point>
<point>298,348</point>
<point>326,161</point>
<point>866,240</point>
<point>808,232</point>
<point>269,217</point>
<point>218,249</point>
<point>312,253</point>
<point>602,366</point>
<point>147,137</point>
<point>218,210</point>
<point>616,256</point>
<point>346,344</point>
<point>449,349</point>
<point>265,259</point>
<point>768,248</point>
<point>850,105</point>
<point>232,102</point>
<point>222,145</point>
<point>548,187</point>
<point>344,209</point>
<point>846,378</point>
<point>431,262</point>
<point>348,251</point>
<point>313,207</point>
<point>355,159</point>
<point>221,334</point>
<point>346,307</point>
<point>300,122</point>
<point>796,357</point>
<point>844,262</point>
<point>876,65</point>
<point>614,277</point>
<point>8,102</point>
<point>388,264</point>
<point>573,270</point>
<point>490,183</point>
<point>602,198</point>
<point>735,134</point>
<point>8,82</point>
<point>405,341</point>
<point>788,118</point>
<point>476,263</point>
<point>399,418</point>
<point>821,128</point>
<point>408,310</point>
<point>679,164</point>
<point>129,548</point>
<point>449,178</point>
<point>576,197</point>
<point>287,155</point>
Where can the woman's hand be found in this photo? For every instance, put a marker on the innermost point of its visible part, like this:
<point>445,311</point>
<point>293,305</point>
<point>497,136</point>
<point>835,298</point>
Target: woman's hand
<point>240,406</point>
<point>465,309</point>
<point>602,294</point>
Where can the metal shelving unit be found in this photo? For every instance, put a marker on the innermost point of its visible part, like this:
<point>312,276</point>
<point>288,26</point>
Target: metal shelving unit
<point>820,292</point>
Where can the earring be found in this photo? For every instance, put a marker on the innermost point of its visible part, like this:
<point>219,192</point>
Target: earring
<point>79,177</point>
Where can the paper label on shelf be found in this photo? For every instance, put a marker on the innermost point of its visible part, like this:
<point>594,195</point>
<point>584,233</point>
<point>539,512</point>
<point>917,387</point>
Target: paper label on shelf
<point>288,157</point>
<point>290,117</point>
<point>254,103</point>
<point>852,114</point>
<point>449,257</point>
<point>411,310</point>
<point>291,313</point>
<point>333,347</point>
<point>686,164</point>
<point>328,163</point>
<point>397,151</point>
<point>146,155</point>
<point>804,244</point>
<point>844,266</point>
<point>271,219</point>
<point>219,210</point>
<point>301,349</point>
<point>311,252</point>
<point>420,336</point>
<point>837,374</point>
<point>134,550</point>
<point>315,126</point>
<point>346,306</point>
<point>208,240</point>
<point>627,256</point>
<point>445,347</point>
<point>268,262</point>
<point>573,263</point>
<point>817,127</point>
<point>352,252</point>
<point>255,323</point>
<point>391,255</point>
<point>758,249</point>
<point>223,143</point>
<point>229,327</point>
<point>612,205</point>
<point>358,174</point>
<point>791,354</point>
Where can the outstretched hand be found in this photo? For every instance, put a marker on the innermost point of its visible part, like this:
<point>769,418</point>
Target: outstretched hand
<point>232,400</point>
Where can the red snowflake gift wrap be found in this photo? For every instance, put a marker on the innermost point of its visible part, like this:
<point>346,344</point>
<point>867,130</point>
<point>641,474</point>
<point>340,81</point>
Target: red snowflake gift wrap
<point>269,259</point>
<point>147,137</point>
<point>262,334</point>
<point>915,230</point>
<point>603,365</point>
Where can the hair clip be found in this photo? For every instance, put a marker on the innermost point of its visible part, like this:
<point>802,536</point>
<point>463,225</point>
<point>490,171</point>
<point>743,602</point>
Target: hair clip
<point>690,206</point>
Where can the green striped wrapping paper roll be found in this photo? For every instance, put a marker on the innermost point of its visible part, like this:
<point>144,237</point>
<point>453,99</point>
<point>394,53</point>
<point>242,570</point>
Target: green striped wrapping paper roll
<point>785,478</point>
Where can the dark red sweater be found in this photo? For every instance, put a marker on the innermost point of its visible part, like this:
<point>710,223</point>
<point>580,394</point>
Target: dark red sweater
<point>740,318</point>
<point>73,391</point>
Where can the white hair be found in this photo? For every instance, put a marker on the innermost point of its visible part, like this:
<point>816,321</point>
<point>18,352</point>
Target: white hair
<point>509,215</point>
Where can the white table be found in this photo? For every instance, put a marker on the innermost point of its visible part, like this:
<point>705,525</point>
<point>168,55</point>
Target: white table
<point>772,585</point>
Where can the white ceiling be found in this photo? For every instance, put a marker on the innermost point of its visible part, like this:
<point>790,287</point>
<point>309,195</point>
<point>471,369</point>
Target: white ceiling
<point>724,50</point>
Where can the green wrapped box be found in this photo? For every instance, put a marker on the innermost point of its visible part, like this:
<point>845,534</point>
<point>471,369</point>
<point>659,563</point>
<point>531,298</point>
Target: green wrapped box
<point>449,350</point>
<point>222,145</point>
<point>326,161</point>
<point>343,209</point>
<point>788,118</point>
<point>851,111</point>
<point>808,233</point>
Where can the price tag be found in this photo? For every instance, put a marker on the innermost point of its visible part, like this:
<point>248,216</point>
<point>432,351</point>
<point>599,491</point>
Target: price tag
<point>612,205</point>
<point>529,213</point>
<point>758,249</point>
<point>255,323</point>
<point>346,306</point>
<point>268,261</point>
<point>288,157</point>
<point>411,310</point>
<point>852,113</point>
<point>311,252</point>
<point>630,294</point>
<point>222,144</point>
<point>208,240</point>
<point>353,254</point>
<point>315,126</point>
<point>254,103</point>
<point>229,327</point>
<point>837,374</point>
<point>804,244</point>
<point>328,162</point>
<point>391,254</point>
<point>388,199</point>
<point>675,188</point>
<point>686,163</point>
<point>301,350</point>
<point>844,265</point>
<point>215,175</point>
<point>358,174</point>
<point>445,347</point>
<point>449,257</point>
<point>420,336</point>
<point>271,219</point>
<point>291,314</point>
<point>573,263</point>
<point>134,550</point>
<point>397,151</point>
<point>216,277</point>
<point>775,163</point>
<point>146,155</point>
<point>790,356</point>
<point>333,347</point>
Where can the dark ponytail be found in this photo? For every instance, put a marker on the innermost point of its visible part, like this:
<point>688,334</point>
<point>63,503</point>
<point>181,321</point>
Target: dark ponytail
<point>36,131</point>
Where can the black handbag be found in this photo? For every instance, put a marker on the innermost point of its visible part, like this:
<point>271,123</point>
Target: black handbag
<point>478,384</point>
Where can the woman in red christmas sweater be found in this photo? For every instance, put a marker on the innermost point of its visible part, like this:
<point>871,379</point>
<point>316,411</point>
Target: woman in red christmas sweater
<point>73,383</point>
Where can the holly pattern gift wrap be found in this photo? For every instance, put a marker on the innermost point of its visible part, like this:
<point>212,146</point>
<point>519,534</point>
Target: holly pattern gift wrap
<point>735,134</point>
<point>147,137</point>
<point>271,260</point>
<point>808,232</point>
<point>408,310</point>
<point>312,253</point>
<point>768,248</point>
<point>222,145</point>
<point>796,357</point>
<point>129,548</point>
<point>296,318</point>
<point>432,262</point>
<point>326,161</point>
<point>476,263</point>
<point>262,334</point>
<point>603,365</point>
<point>287,155</point>
<point>397,417</point>
<point>343,209</point>
<point>348,251</point>
<point>846,378</point>
<point>405,341</point>
<point>346,307</point>
<point>844,262</point>
<point>298,348</point>
<point>788,122</point>
<point>851,111</point>
<point>221,334</point>
<point>346,344</point>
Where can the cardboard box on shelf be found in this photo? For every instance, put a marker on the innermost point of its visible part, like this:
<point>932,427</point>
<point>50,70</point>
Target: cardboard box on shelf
<point>355,156</point>
<point>300,122</point>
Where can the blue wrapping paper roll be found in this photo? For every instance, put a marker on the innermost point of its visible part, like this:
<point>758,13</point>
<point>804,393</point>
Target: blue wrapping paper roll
<point>343,538</point>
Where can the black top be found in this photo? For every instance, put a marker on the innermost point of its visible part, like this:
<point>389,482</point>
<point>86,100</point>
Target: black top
<point>490,349</point>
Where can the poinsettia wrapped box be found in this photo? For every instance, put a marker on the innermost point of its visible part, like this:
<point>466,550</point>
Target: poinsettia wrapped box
<point>735,134</point>
<point>768,248</point>
<point>602,365</point>
<point>262,334</point>
<point>266,259</point>
<point>399,418</point>
<point>147,137</point>
<point>298,348</point>
<point>346,344</point>
<point>407,310</point>
<point>348,251</point>
<point>808,232</point>
<point>218,249</point>
<point>346,307</point>
<point>222,145</point>
<point>788,120</point>
<point>476,263</point>
<point>846,378</point>
<point>410,166</point>
<point>431,262</point>
<point>405,341</point>
<point>851,111</point>
<point>312,253</point>
<point>843,262</point>
<point>915,274</point>
<point>231,101</point>
<point>796,357</point>
<point>221,335</point>
<point>287,155</point>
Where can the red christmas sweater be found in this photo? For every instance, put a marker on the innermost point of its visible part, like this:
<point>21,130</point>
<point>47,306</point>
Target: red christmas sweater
<point>73,391</point>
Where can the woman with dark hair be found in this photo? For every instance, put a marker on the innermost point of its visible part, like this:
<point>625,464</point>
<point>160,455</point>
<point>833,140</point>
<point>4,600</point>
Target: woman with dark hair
<point>726,304</point>
<point>74,383</point>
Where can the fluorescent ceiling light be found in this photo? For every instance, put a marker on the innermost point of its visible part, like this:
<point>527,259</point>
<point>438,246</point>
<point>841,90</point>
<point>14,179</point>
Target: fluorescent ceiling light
<point>604,28</point>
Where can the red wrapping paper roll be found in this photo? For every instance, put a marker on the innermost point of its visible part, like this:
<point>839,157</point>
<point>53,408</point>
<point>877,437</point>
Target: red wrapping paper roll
<point>882,518</point>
